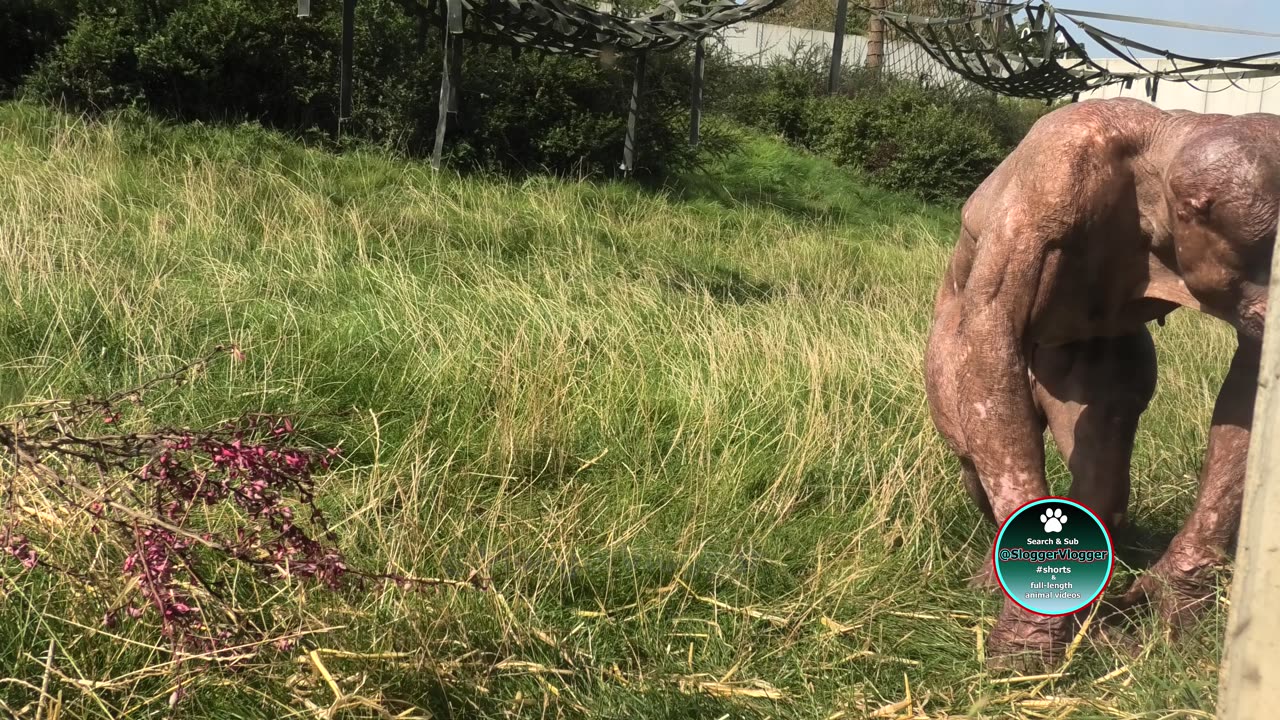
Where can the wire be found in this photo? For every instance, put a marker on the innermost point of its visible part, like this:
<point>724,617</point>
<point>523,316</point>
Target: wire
<point>1163,23</point>
<point>985,63</point>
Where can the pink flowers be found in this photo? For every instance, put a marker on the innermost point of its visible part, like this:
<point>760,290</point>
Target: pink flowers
<point>245,473</point>
<point>247,468</point>
<point>17,546</point>
<point>176,513</point>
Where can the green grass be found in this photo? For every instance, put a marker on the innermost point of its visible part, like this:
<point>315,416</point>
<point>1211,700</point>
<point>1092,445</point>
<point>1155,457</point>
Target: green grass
<point>650,418</point>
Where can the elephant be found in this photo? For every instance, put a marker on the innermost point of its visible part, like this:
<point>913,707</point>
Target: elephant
<point>1108,215</point>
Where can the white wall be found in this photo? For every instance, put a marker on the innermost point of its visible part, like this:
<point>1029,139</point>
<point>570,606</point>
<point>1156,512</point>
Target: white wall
<point>1211,96</point>
<point>759,42</point>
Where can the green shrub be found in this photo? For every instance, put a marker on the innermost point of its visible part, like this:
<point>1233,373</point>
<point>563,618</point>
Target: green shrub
<point>776,96</point>
<point>1009,119</point>
<point>562,113</point>
<point>95,68</point>
<point>907,138</point>
<point>935,142</point>
<point>235,60</point>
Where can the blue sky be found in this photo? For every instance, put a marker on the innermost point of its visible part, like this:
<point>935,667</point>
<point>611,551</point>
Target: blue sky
<point>1260,15</point>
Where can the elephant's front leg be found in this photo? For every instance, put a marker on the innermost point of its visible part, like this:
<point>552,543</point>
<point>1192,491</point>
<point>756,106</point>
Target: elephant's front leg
<point>1181,582</point>
<point>1004,433</point>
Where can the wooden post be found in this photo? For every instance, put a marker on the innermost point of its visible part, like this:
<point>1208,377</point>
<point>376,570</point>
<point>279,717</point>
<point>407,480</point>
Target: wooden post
<point>348,54</point>
<point>1251,661</point>
<point>875,37</point>
<point>695,94</point>
<point>837,46</point>
<point>629,142</point>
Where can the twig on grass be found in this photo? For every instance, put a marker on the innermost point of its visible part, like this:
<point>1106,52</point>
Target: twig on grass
<point>1028,678</point>
<point>773,620</point>
<point>44,683</point>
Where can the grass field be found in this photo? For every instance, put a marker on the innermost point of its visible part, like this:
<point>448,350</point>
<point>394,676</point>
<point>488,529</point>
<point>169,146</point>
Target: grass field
<point>683,432</point>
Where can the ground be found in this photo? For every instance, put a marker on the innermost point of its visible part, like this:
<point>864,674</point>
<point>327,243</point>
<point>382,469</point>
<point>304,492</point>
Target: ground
<point>683,432</point>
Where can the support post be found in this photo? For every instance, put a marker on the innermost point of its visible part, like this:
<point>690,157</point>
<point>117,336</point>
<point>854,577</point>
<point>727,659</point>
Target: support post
<point>446,94</point>
<point>450,76</point>
<point>455,71</point>
<point>629,142</point>
<point>454,48</point>
<point>837,46</point>
<point>348,55</point>
<point>695,94</point>
<point>1251,660</point>
<point>875,37</point>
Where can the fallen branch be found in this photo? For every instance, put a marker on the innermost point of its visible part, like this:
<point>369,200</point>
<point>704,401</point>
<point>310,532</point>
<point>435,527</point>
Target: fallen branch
<point>175,510</point>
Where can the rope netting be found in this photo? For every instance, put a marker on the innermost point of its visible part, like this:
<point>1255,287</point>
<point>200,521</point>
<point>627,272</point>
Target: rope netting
<point>905,58</point>
<point>569,27</point>
<point>1024,49</point>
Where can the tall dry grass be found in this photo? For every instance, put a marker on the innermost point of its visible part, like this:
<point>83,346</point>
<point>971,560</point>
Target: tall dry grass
<point>683,433</point>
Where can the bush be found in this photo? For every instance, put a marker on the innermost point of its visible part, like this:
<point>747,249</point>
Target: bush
<point>569,114</point>
<point>908,139</point>
<point>935,142</point>
<point>1009,119</point>
<point>232,60</point>
<point>775,97</point>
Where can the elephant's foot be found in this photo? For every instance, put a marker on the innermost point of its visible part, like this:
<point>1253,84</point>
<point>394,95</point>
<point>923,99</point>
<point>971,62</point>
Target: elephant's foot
<point>1116,638</point>
<point>1180,586</point>
<point>1025,642</point>
<point>984,577</point>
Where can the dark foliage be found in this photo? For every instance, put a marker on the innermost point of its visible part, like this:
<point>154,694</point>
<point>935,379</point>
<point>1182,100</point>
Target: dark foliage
<point>235,60</point>
<point>29,29</point>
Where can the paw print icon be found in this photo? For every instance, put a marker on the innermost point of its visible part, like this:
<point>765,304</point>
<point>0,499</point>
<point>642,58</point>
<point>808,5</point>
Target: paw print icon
<point>1053,520</point>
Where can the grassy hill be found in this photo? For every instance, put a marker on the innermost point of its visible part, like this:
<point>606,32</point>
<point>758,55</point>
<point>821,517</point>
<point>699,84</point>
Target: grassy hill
<point>683,433</point>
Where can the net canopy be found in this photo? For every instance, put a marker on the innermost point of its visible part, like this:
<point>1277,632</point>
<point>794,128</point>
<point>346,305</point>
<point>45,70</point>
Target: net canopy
<point>1024,50</point>
<point>568,27</point>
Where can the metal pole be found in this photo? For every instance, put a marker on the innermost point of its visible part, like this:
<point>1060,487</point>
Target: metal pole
<point>695,95</point>
<point>837,46</point>
<point>629,143</point>
<point>1251,660</point>
<point>348,54</point>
